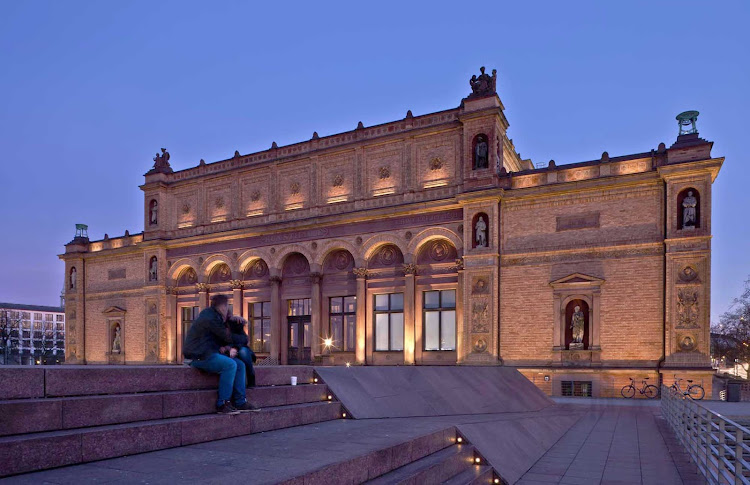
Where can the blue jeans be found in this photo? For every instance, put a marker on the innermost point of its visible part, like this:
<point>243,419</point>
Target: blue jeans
<point>231,377</point>
<point>246,356</point>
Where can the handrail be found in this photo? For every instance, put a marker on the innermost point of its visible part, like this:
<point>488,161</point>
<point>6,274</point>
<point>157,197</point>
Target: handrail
<point>716,444</point>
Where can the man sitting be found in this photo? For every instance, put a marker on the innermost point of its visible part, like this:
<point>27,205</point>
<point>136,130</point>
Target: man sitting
<point>207,340</point>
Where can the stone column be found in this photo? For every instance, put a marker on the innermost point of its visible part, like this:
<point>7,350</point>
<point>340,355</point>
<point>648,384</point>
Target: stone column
<point>276,334</point>
<point>461,329</point>
<point>410,272</point>
<point>315,317</point>
<point>202,289</point>
<point>361,274</point>
<point>170,317</point>
<point>237,297</point>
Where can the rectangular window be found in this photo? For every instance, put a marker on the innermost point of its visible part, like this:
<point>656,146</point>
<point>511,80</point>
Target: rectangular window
<point>37,316</point>
<point>389,322</point>
<point>440,320</point>
<point>576,388</point>
<point>299,308</point>
<point>260,325</point>
<point>189,314</point>
<point>60,318</point>
<point>343,322</point>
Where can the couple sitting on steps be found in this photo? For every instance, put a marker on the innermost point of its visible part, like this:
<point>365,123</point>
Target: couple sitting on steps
<point>217,343</point>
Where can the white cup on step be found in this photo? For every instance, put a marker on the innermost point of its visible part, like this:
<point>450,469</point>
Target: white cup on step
<point>294,380</point>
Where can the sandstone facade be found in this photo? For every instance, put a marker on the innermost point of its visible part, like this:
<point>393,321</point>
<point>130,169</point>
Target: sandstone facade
<point>441,210</point>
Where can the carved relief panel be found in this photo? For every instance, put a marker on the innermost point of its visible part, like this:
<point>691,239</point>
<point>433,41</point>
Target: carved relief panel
<point>481,315</point>
<point>294,185</point>
<point>255,194</point>
<point>436,161</point>
<point>152,330</point>
<point>218,202</point>
<point>688,333</point>
<point>185,208</point>
<point>384,169</point>
<point>336,179</point>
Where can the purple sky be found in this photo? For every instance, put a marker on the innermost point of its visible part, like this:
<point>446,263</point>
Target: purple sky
<point>91,90</point>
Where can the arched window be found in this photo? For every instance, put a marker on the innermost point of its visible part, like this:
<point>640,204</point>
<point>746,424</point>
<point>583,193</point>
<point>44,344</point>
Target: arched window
<point>153,212</point>
<point>480,229</point>
<point>153,271</point>
<point>480,150</point>
<point>688,209</point>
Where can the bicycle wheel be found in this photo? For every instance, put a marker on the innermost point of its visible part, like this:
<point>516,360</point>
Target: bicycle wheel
<point>651,391</point>
<point>628,391</point>
<point>696,392</point>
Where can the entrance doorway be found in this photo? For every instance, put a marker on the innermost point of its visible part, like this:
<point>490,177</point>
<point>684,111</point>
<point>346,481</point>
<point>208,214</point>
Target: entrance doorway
<point>299,334</point>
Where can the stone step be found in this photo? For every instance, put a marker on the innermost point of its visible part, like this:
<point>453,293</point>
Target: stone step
<point>475,475</point>
<point>434,468</point>
<point>378,462</point>
<point>39,451</point>
<point>19,416</point>
<point>24,382</point>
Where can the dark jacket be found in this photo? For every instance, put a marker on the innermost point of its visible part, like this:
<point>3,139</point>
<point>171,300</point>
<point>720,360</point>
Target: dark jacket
<point>206,336</point>
<point>239,337</point>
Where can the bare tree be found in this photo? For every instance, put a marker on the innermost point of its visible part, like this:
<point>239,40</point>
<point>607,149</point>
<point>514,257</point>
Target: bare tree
<point>10,326</point>
<point>731,336</point>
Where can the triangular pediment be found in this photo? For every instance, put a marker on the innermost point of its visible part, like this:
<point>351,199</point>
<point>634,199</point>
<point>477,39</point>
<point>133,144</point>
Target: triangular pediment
<point>577,279</point>
<point>114,310</point>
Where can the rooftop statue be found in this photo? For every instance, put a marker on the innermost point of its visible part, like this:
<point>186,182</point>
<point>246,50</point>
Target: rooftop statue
<point>484,85</point>
<point>161,163</point>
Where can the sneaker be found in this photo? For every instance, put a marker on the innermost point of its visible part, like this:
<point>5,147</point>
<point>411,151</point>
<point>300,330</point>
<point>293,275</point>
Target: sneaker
<point>247,408</point>
<point>227,408</point>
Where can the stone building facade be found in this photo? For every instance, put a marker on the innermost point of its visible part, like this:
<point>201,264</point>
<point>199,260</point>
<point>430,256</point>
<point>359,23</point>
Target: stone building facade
<point>426,240</point>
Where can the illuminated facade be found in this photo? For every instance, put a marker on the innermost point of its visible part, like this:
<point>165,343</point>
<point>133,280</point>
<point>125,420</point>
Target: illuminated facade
<point>427,240</point>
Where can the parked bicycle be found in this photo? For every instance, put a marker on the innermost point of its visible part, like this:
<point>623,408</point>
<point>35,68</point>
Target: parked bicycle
<point>648,390</point>
<point>693,391</point>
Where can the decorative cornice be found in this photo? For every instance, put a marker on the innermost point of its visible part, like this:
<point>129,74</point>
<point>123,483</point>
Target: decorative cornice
<point>202,287</point>
<point>236,284</point>
<point>458,265</point>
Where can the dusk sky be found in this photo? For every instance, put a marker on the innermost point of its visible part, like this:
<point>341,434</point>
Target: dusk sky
<point>91,90</point>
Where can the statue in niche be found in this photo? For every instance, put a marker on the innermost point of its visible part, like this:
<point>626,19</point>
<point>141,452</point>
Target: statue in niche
<point>481,233</point>
<point>688,211</point>
<point>73,279</point>
<point>577,323</point>
<point>152,270</point>
<point>117,341</point>
<point>481,151</point>
<point>153,214</point>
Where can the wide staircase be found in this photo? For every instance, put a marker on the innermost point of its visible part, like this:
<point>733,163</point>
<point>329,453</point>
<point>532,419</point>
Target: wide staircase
<point>440,457</point>
<point>64,415</point>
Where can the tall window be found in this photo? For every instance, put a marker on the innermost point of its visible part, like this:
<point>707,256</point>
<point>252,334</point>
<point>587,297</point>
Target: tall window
<point>189,314</point>
<point>343,322</point>
<point>389,322</point>
<point>260,325</point>
<point>440,320</point>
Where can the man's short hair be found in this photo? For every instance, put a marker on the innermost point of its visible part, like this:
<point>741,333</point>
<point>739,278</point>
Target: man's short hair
<point>217,300</point>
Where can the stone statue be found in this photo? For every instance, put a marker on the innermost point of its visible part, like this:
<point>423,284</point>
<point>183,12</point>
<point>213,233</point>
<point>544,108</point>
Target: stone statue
<point>688,211</point>
<point>73,279</point>
<point>577,323</point>
<point>480,153</point>
<point>161,163</point>
<point>152,270</point>
<point>154,209</point>
<point>484,85</point>
<point>481,233</point>
<point>116,342</point>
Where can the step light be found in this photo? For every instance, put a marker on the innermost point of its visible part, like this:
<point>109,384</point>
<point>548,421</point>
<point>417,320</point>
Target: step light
<point>496,480</point>
<point>330,397</point>
<point>459,440</point>
<point>477,460</point>
<point>315,380</point>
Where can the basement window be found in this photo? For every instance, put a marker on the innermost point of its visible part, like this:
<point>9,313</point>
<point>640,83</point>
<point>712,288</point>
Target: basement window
<point>576,388</point>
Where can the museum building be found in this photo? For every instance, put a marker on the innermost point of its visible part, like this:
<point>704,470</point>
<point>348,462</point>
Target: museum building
<point>423,241</point>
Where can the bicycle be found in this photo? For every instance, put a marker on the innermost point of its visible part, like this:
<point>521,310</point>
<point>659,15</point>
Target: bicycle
<point>649,390</point>
<point>693,391</point>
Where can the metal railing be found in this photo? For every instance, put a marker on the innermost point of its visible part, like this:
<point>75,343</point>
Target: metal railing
<point>718,445</point>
